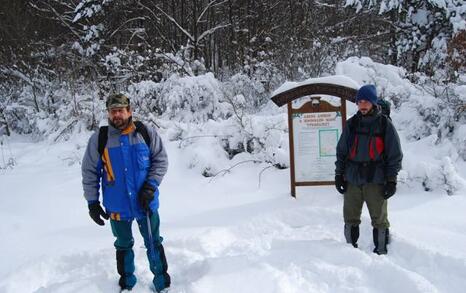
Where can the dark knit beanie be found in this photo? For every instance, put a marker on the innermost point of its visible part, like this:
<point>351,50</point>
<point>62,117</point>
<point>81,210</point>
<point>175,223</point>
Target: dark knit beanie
<point>367,92</point>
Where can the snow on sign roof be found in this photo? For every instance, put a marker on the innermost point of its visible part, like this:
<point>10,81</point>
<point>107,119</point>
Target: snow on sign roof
<point>333,79</point>
<point>337,85</point>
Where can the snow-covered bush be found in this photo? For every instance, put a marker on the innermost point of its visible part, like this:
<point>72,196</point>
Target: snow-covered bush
<point>191,99</point>
<point>245,92</point>
<point>222,123</point>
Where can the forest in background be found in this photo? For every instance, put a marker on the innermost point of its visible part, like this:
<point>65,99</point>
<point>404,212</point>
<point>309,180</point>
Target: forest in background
<point>133,40</point>
<point>202,71</point>
<point>54,52</point>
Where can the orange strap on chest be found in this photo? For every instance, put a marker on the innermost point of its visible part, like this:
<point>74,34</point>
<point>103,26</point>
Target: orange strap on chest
<point>108,166</point>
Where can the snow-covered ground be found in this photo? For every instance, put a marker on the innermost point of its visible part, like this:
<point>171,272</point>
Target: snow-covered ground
<point>222,234</point>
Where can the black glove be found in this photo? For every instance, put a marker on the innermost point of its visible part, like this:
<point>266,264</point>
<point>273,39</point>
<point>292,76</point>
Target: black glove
<point>389,189</point>
<point>340,184</point>
<point>95,211</point>
<point>146,195</point>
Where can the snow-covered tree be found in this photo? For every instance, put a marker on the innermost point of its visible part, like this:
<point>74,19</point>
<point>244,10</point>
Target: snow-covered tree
<point>421,29</point>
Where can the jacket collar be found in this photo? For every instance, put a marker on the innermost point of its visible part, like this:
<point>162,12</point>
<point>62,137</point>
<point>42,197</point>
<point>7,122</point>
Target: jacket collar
<point>374,112</point>
<point>370,117</point>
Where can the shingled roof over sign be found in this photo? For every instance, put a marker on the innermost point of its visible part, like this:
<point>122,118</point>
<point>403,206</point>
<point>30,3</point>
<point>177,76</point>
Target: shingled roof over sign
<point>336,85</point>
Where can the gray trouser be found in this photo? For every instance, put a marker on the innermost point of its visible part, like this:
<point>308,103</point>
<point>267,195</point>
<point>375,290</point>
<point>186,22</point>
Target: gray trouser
<point>372,195</point>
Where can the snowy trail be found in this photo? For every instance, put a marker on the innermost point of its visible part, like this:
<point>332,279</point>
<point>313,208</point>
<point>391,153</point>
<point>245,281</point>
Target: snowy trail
<point>223,236</point>
<point>304,257</point>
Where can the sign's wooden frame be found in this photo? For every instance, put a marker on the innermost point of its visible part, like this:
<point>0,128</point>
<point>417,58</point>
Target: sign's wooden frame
<point>344,93</point>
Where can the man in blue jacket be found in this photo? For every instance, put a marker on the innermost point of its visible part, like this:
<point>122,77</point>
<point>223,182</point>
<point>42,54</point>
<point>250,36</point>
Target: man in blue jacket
<point>129,161</point>
<point>368,161</point>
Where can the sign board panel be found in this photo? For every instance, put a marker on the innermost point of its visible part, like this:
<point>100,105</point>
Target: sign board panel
<point>315,128</point>
<point>315,137</point>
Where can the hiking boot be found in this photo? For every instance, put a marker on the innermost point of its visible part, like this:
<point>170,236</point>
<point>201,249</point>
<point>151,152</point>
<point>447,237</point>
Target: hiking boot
<point>352,234</point>
<point>123,285</point>
<point>381,238</point>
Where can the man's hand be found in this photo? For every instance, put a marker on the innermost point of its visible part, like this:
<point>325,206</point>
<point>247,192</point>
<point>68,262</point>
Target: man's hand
<point>96,211</point>
<point>389,189</point>
<point>340,184</point>
<point>146,196</point>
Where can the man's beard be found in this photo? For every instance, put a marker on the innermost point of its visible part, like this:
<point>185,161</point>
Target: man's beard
<point>120,123</point>
<point>364,111</point>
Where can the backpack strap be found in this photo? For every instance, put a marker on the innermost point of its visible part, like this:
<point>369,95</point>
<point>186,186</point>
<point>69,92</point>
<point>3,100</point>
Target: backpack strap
<point>103,136</point>
<point>384,127</point>
<point>353,122</point>
<point>352,125</point>
<point>142,129</point>
<point>384,121</point>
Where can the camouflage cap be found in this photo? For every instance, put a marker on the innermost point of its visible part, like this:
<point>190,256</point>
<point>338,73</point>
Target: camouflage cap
<point>117,101</point>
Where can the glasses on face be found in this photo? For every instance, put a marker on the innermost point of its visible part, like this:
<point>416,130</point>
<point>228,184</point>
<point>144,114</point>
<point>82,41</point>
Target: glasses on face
<point>115,111</point>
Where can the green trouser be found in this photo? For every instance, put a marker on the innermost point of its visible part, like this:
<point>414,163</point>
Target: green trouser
<point>372,195</point>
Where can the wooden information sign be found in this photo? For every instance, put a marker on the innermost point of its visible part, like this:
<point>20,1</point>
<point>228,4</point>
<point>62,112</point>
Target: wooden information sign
<point>314,130</point>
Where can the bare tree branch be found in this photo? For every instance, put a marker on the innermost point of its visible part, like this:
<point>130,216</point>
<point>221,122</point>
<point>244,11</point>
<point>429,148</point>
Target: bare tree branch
<point>124,23</point>
<point>176,23</point>
<point>211,4</point>
<point>62,20</point>
<point>150,10</point>
<point>224,171</point>
<point>210,31</point>
<point>260,174</point>
<point>200,136</point>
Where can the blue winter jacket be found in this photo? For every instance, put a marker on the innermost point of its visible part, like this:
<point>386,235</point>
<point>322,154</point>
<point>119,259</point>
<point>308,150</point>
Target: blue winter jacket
<point>127,162</point>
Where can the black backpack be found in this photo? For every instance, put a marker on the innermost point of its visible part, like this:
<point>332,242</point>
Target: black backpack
<point>384,107</point>
<point>103,135</point>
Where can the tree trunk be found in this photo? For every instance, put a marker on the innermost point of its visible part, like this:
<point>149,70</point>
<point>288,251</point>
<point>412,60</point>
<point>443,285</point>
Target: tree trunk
<point>195,36</point>
<point>4,121</point>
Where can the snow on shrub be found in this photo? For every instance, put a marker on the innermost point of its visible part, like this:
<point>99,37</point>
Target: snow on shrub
<point>192,99</point>
<point>218,124</point>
